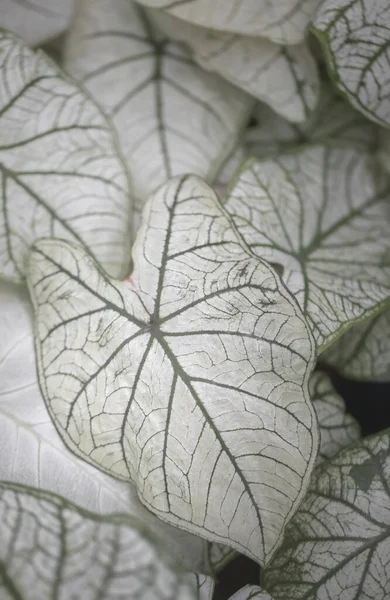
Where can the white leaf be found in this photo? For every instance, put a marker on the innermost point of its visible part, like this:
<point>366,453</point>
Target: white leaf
<point>355,36</point>
<point>337,427</point>
<point>60,174</point>
<point>284,21</point>
<point>251,592</point>
<point>35,20</point>
<point>323,215</point>
<point>172,118</point>
<point>332,122</point>
<point>51,548</point>
<point>338,544</point>
<point>285,77</point>
<point>34,455</point>
<point>188,378</point>
<point>363,352</point>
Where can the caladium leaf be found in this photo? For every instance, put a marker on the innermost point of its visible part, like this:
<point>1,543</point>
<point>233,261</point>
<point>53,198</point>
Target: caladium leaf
<point>60,173</point>
<point>363,352</point>
<point>51,548</point>
<point>285,77</point>
<point>322,214</point>
<point>355,36</point>
<point>35,20</point>
<point>332,122</point>
<point>284,22</point>
<point>34,455</point>
<point>337,427</point>
<point>251,592</point>
<point>172,118</point>
<point>338,544</point>
<point>188,378</point>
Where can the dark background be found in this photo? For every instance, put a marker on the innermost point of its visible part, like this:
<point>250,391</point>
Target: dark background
<point>368,403</point>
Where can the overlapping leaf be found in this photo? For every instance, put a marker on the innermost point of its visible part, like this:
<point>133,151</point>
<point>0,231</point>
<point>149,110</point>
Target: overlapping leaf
<point>189,378</point>
<point>34,455</point>
<point>363,352</point>
<point>338,544</point>
<point>60,174</point>
<point>205,586</point>
<point>35,20</point>
<point>332,122</point>
<point>51,548</point>
<point>172,117</point>
<point>323,215</point>
<point>284,22</point>
<point>355,36</point>
<point>285,77</point>
<point>337,427</point>
<point>251,592</point>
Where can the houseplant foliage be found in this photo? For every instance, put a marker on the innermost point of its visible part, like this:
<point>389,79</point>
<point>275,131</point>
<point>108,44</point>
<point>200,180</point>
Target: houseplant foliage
<point>194,233</point>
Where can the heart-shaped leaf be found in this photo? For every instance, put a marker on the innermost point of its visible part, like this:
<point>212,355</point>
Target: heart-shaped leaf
<point>189,378</point>
<point>333,122</point>
<point>323,215</point>
<point>363,352</point>
<point>284,21</point>
<point>60,173</point>
<point>337,427</point>
<point>285,77</point>
<point>338,544</point>
<point>251,592</point>
<point>51,548</point>
<point>34,455</point>
<point>172,118</point>
<point>355,36</point>
<point>35,20</point>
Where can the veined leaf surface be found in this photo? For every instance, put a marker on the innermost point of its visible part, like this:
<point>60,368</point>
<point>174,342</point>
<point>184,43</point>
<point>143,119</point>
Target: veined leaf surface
<point>51,548</point>
<point>363,352</point>
<point>172,118</point>
<point>60,173</point>
<point>333,122</point>
<point>284,21</point>
<point>251,592</point>
<point>338,544</point>
<point>285,77</point>
<point>205,586</point>
<point>34,455</point>
<point>355,36</point>
<point>323,214</point>
<point>337,427</point>
<point>36,21</point>
<point>189,378</point>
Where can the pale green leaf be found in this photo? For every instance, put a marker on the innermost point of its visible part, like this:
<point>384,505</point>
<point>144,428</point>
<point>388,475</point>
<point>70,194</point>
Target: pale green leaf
<point>60,174</point>
<point>188,378</point>
<point>337,427</point>
<point>251,592</point>
<point>323,215</point>
<point>285,77</point>
<point>363,352</point>
<point>283,21</point>
<point>172,118</point>
<point>51,548</point>
<point>355,36</point>
<point>33,453</point>
<point>36,21</point>
<point>332,122</point>
<point>338,544</point>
